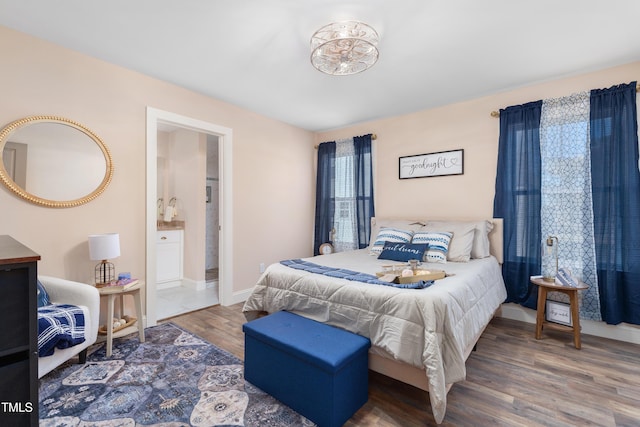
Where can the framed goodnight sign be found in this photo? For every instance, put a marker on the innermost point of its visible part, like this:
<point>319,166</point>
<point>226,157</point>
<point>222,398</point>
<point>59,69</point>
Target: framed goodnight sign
<point>432,164</point>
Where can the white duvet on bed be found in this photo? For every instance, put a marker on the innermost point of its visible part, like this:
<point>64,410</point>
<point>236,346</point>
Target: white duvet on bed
<point>426,328</point>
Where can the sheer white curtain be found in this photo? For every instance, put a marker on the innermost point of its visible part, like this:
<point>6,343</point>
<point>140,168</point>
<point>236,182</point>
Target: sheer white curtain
<point>566,203</point>
<point>345,237</point>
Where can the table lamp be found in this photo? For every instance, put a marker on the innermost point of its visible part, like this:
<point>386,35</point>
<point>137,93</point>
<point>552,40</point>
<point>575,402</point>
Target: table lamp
<point>101,248</point>
<point>550,259</point>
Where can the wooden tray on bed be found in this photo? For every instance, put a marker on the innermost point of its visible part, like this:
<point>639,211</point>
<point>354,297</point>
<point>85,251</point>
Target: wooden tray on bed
<point>418,276</point>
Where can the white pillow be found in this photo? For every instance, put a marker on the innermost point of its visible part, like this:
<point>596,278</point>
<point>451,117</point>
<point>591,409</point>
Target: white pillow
<point>402,224</point>
<point>462,240</point>
<point>389,234</point>
<point>438,242</point>
<point>480,247</point>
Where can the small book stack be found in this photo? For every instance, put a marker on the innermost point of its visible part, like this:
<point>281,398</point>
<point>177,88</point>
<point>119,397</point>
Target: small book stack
<point>118,286</point>
<point>565,278</point>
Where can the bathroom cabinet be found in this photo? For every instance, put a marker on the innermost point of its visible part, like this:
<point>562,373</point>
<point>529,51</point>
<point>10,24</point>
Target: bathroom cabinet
<point>170,254</point>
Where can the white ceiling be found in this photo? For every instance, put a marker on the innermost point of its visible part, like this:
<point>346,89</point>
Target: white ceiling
<point>255,53</point>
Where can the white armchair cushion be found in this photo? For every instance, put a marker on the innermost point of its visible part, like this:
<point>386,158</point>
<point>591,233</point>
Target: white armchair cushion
<point>86,297</point>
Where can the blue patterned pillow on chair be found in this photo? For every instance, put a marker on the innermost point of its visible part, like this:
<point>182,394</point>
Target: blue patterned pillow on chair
<point>43,296</point>
<point>393,235</point>
<point>438,242</point>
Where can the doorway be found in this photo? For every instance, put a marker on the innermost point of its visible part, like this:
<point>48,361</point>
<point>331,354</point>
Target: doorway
<point>162,120</point>
<point>188,223</point>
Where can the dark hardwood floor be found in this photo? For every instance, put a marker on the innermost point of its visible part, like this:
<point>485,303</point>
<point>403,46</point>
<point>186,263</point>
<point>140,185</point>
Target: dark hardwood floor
<point>512,379</point>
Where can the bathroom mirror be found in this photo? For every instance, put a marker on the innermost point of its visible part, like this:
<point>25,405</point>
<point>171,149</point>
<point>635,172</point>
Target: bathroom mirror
<point>54,162</point>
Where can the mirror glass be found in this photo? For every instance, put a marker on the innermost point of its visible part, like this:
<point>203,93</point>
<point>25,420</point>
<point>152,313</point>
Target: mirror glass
<point>54,162</point>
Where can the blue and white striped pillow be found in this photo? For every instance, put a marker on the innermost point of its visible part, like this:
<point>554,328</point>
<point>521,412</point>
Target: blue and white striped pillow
<point>389,234</point>
<point>438,242</point>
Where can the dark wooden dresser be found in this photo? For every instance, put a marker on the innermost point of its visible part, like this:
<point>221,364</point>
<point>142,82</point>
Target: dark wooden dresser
<point>18,334</point>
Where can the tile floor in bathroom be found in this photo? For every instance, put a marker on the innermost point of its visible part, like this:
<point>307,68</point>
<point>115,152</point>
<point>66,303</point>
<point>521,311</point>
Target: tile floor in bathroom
<point>179,300</point>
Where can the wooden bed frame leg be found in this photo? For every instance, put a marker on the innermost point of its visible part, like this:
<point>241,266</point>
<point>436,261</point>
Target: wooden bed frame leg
<point>82,356</point>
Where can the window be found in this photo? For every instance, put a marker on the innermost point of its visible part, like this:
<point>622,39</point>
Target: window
<point>344,194</point>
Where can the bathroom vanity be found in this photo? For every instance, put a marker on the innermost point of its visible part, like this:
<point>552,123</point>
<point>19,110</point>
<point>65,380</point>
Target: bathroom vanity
<point>170,253</point>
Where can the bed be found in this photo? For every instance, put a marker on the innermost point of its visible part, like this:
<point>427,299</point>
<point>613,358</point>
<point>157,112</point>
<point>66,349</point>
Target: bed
<point>419,336</point>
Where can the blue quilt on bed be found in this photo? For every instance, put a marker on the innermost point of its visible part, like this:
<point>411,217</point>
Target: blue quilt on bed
<point>350,275</point>
<point>59,326</point>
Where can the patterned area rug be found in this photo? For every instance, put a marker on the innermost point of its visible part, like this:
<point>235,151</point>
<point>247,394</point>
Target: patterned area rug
<point>173,379</point>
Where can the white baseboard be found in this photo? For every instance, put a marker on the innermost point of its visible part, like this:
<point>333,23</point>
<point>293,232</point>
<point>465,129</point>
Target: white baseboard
<point>196,285</point>
<point>621,332</point>
<point>241,296</point>
<point>168,285</point>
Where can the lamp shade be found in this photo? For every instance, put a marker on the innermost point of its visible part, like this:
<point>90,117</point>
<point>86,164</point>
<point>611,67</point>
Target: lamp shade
<point>104,246</point>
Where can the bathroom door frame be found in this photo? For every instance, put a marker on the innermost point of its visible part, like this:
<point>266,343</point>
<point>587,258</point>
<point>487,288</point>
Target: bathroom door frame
<point>225,200</point>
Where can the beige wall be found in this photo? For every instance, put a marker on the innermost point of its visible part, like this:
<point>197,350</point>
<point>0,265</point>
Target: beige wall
<point>272,163</point>
<point>467,125</point>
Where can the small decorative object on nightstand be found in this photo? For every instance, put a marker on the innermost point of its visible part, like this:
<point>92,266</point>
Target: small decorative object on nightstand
<point>545,286</point>
<point>108,332</point>
<point>550,258</point>
<point>326,249</point>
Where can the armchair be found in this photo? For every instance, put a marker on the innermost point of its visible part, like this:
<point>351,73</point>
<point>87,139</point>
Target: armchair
<point>85,296</point>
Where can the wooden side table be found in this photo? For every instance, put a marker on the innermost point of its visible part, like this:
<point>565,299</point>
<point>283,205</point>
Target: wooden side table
<point>543,288</point>
<point>111,293</point>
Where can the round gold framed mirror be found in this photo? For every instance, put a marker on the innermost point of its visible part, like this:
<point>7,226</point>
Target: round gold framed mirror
<point>53,161</point>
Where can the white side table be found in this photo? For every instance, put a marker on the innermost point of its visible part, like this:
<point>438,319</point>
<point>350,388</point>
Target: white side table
<point>111,293</point>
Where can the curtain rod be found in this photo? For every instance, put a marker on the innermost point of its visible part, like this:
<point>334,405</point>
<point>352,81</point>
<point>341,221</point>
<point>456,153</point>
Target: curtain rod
<point>497,113</point>
<point>373,136</point>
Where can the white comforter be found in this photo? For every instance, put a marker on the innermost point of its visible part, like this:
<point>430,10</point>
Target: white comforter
<point>426,328</point>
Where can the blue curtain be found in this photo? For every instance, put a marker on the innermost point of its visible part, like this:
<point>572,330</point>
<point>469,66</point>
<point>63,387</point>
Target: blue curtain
<point>616,201</point>
<point>517,199</point>
<point>325,191</point>
<point>325,195</point>
<point>363,171</point>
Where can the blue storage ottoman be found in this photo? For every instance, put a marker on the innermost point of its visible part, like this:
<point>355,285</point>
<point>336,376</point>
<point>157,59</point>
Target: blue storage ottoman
<point>316,369</point>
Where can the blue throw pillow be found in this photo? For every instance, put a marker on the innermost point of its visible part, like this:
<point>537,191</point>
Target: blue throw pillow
<point>403,251</point>
<point>43,296</point>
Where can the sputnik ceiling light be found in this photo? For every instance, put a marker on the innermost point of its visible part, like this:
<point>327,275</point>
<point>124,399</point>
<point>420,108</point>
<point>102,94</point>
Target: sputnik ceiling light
<point>343,48</point>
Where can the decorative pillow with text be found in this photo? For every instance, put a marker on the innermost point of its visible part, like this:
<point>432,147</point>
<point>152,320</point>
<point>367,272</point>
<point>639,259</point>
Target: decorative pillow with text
<point>403,251</point>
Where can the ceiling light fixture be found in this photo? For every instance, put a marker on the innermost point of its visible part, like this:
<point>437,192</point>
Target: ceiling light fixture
<point>343,48</point>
